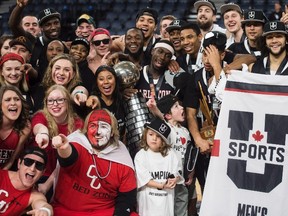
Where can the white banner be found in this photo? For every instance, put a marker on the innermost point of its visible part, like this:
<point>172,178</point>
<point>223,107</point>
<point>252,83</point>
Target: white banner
<point>248,172</point>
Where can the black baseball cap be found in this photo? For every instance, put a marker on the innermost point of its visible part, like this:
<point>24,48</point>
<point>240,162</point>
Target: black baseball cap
<point>274,27</point>
<point>47,14</point>
<point>215,38</point>
<point>175,24</point>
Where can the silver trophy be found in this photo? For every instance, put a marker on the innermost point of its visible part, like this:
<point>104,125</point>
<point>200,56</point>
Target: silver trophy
<point>136,110</point>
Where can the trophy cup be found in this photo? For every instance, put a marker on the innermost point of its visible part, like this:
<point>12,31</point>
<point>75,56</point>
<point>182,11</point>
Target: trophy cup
<point>136,110</point>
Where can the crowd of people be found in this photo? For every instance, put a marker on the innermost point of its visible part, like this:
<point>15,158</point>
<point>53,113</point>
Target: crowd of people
<point>63,134</point>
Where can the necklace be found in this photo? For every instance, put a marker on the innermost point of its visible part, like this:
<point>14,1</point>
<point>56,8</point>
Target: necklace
<point>96,169</point>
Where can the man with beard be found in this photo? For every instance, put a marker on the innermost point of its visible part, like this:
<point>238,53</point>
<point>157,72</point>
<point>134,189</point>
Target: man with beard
<point>134,42</point>
<point>96,170</point>
<point>153,77</point>
<point>146,20</point>
<point>274,56</point>
<point>206,16</point>
<point>273,60</point>
<point>253,24</point>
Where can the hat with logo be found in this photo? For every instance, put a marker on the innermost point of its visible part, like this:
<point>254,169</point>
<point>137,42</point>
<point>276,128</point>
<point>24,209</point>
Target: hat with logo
<point>82,41</point>
<point>36,151</point>
<point>208,3</point>
<point>165,103</point>
<point>160,127</point>
<point>215,38</point>
<point>175,24</point>
<point>11,56</point>
<point>85,18</point>
<point>22,40</point>
<point>230,6</point>
<point>47,14</point>
<point>149,12</point>
<point>274,27</point>
<point>254,16</point>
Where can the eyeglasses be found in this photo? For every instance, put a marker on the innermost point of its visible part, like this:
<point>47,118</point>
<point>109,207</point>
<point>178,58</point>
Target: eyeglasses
<point>58,101</point>
<point>38,165</point>
<point>98,42</point>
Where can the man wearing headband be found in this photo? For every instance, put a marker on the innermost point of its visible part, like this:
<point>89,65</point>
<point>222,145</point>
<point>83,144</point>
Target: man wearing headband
<point>156,80</point>
<point>96,169</point>
<point>17,188</point>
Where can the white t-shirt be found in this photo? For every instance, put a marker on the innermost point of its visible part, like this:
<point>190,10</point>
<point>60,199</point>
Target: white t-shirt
<point>152,165</point>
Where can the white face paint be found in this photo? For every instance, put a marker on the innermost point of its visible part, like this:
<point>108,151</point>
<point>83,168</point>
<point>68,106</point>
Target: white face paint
<point>99,133</point>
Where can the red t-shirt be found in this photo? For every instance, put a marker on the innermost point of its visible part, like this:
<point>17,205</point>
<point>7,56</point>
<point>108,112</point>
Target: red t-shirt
<point>8,146</point>
<point>80,191</point>
<point>12,201</point>
<point>63,129</point>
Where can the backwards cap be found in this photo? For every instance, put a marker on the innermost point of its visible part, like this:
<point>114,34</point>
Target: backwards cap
<point>166,102</point>
<point>100,31</point>
<point>36,151</point>
<point>215,38</point>
<point>149,12</point>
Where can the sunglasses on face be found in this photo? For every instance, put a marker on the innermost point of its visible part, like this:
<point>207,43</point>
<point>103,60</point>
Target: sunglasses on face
<point>38,165</point>
<point>98,42</point>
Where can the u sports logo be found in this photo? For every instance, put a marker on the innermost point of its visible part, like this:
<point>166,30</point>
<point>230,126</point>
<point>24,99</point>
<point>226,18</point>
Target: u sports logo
<point>267,147</point>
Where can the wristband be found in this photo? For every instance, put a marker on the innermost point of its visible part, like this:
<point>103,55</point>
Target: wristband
<point>78,92</point>
<point>46,209</point>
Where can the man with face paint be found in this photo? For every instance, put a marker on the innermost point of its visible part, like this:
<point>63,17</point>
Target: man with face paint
<point>96,168</point>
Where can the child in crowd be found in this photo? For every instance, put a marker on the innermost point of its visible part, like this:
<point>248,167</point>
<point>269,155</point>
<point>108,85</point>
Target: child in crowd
<point>180,139</point>
<point>157,170</point>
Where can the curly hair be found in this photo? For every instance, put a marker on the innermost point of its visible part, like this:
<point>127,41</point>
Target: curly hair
<point>23,120</point>
<point>47,79</point>
<point>164,148</point>
<point>52,125</point>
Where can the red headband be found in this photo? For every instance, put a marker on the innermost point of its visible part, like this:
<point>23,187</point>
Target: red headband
<point>100,31</point>
<point>99,115</point>
<point>11,56</point>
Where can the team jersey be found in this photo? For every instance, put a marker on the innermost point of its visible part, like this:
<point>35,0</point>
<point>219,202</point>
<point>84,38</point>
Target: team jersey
<point>91,184</point>
<point>62,128</point>
<point>261,66</point>
<point>12,201</point>
<point>161,86</point>
<point>8,146</point>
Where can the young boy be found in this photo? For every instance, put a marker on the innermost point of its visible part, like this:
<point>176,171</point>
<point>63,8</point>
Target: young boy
<point>180,140</point>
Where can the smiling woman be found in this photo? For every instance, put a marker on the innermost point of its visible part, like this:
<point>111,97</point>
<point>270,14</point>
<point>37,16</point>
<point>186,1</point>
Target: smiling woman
<point>57,117</point>
<point>15,126</point>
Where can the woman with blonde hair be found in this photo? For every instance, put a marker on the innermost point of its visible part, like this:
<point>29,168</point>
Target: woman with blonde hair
<point>62,70</point>
<point>57,117</point>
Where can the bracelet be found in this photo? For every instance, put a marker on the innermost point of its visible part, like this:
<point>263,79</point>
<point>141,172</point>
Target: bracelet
<point>78,92</point>
<point>45,134</point>
<point>46,209</point>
